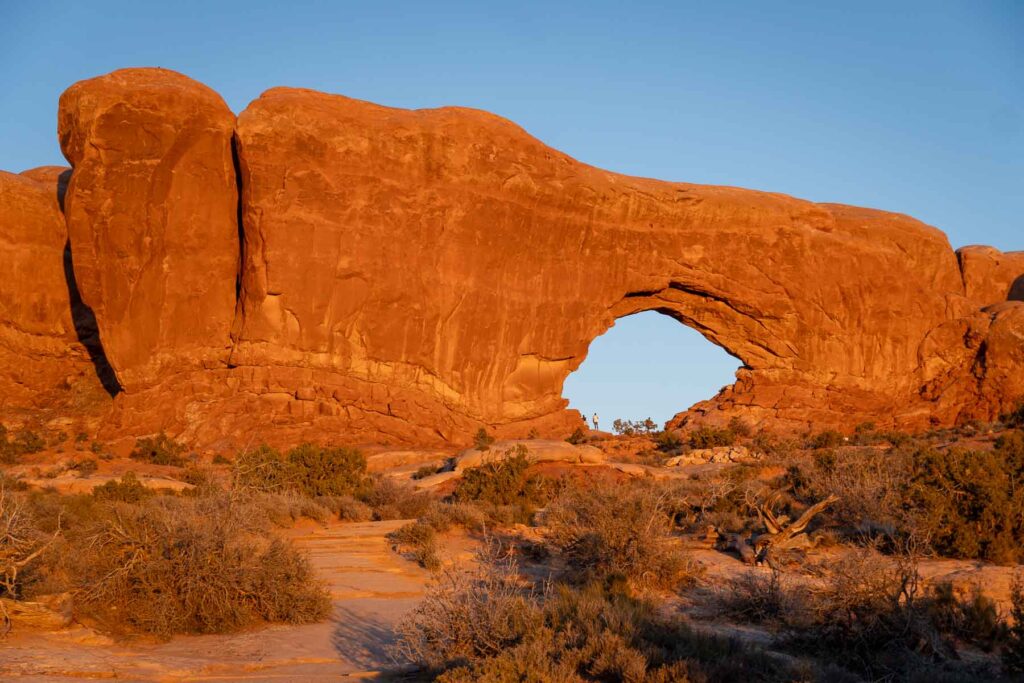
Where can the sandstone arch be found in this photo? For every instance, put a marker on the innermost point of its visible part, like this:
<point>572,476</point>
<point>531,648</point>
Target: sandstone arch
<point>414,275</point>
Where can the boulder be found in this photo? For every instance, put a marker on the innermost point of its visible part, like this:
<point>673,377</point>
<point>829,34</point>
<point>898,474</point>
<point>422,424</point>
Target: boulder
<point>991,276</point>
<point>718,454</point>
<point>537,450</point>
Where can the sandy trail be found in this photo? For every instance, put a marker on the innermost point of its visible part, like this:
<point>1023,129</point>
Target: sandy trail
<point>371,587</point>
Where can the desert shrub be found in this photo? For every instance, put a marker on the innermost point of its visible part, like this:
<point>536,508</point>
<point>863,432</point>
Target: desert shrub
<point>86,467</point>
<point>159,450</point>
<point>974,618</point>
<point>468,615</point>
<point>870,484</point>
<point>970,504</point>
<point>444,516</point>
<point>617,530</point>
<point>393,499</point>
<point>220,459</point>
<point>1015,418</point>
<point>758,597</point>
<point>323,471</point>
<point>774,447</point>
<point>308,469</point>
<point>127,489</point>
<point>668,441</point>
<point>578,436</point>
<point>868,616</point>
<point>828,438</point>
<point>173,566</point>
<point>707,436</point>
<point>24,442</point>
<point>505,483</point>
<point>485,625</point>
<point>22,541</point>
<point>1013,651</point>
<point>262,469</point>
<point>419,539</point>
<point>740,427</point>
<point>284,508</point>
<point>482,441</point>
<point>630,427</point>
<point>350,508</point>
<point>426,471</point>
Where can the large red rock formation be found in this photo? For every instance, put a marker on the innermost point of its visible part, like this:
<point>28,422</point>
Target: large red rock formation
<point>456,266</point>
<point>152,213</point>
<point>414,275</point>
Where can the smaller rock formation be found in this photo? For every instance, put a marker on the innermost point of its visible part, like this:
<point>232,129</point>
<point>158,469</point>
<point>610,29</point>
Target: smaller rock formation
<point>991,276</point>
<point>152,214</point>
<point>45,342</point>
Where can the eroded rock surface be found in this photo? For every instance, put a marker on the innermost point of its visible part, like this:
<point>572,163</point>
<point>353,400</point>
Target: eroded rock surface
<point>45,338</point>
<point>412,276</point>
<point>152,214</point>
<point>992,276</point>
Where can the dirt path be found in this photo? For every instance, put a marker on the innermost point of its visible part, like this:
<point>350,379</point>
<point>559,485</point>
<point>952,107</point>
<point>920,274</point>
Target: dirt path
<point>371,586</point>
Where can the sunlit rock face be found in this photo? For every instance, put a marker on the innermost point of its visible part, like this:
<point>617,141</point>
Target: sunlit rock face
<point>411,276</point>
<point>152,211</point>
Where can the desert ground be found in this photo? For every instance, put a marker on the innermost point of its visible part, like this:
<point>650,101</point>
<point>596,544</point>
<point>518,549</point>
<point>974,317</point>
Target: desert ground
<point>432,565</point>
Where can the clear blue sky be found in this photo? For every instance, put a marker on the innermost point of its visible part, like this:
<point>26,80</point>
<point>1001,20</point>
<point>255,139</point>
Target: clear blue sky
<point>915,107</point>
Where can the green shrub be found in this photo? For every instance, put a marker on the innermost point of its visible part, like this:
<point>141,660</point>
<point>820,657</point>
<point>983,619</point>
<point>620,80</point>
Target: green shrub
<point>159,450</point>
<point>707,436</point>
<point>974,619</point>
<point>128,490</point>
<point>308,469</point>
<point>262,469</point>
<point>323,471</point>
<point>970,504</point>
<point>505,482</point>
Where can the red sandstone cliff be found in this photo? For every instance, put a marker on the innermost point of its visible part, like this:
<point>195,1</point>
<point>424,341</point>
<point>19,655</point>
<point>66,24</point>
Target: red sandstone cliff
<point>413,275</point>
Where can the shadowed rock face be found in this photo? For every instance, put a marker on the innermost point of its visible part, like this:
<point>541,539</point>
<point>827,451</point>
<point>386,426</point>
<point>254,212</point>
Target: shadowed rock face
<point>414,275</point>
<point>45,342</point>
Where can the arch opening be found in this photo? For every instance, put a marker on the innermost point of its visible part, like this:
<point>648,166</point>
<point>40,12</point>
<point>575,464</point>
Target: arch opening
<point>648,364</point>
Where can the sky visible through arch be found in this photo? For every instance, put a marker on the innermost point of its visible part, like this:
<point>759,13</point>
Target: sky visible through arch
<point>915,107</point>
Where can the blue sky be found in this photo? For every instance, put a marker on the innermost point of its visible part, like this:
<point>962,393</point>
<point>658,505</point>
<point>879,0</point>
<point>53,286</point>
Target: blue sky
<point>915,107</point>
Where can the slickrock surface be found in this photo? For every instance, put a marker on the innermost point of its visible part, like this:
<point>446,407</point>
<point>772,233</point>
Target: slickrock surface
<point>411,276</point>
